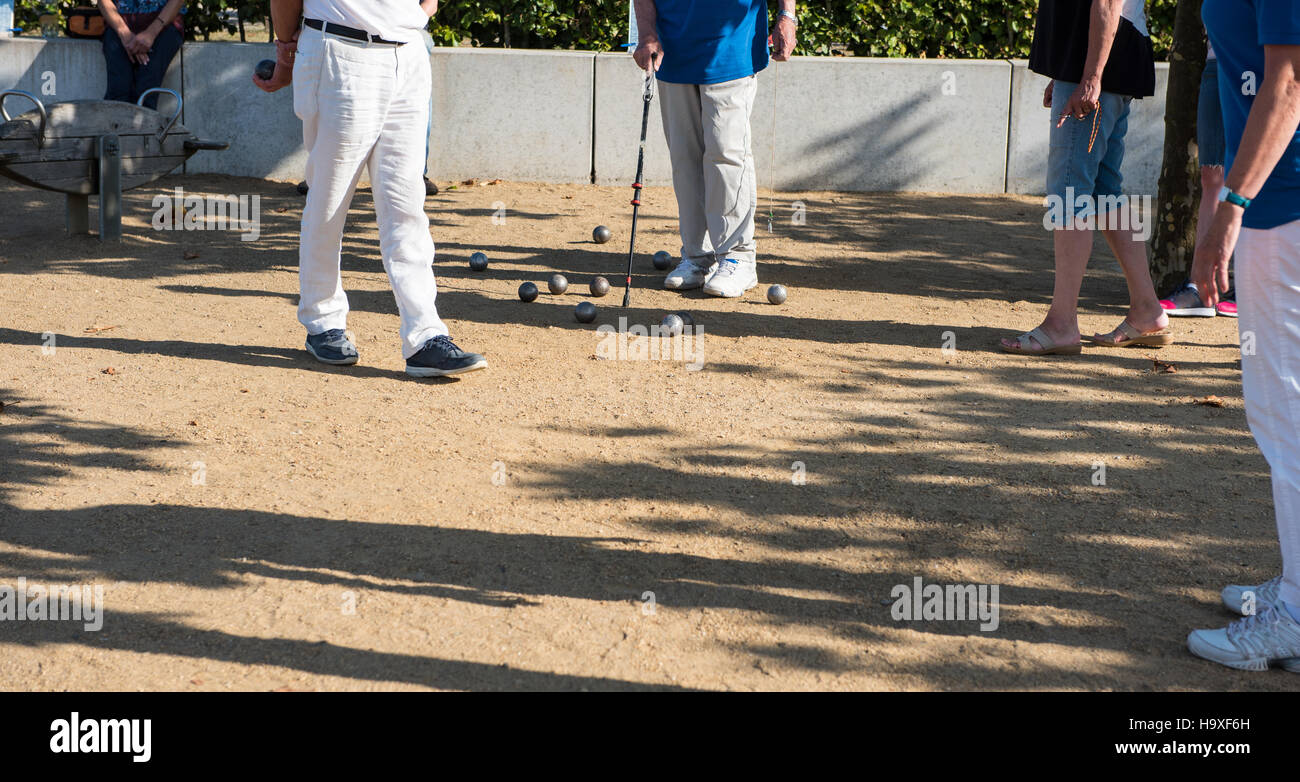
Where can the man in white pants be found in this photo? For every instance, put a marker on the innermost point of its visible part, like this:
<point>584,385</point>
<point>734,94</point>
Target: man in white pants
<point>706,54</point>
<point>361,88</point>
<point>1258,41</point>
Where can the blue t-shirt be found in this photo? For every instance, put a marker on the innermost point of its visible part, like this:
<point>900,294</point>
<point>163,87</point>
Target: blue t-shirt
<point>711,41</point>
<point>1239,30</point>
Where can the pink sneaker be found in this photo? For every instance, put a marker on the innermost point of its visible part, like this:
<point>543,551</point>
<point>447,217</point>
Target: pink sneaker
<point>1227,306</point>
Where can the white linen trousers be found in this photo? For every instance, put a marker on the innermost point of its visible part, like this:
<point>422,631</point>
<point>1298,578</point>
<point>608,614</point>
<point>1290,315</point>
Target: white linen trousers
<point>1268,302</point>
<point>365,104</point>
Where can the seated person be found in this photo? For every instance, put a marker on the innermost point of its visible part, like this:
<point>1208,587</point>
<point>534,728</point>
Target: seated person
<point>140,39</point>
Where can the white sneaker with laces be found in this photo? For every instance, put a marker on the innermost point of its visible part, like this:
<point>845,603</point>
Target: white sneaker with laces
<point>1234,596</point>
<point>732,279</point>
<point>687,276</point>
<point>1253,642</point>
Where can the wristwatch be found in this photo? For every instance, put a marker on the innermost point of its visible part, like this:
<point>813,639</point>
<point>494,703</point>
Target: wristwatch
<point>1227,195</point>
<point>788,15</point>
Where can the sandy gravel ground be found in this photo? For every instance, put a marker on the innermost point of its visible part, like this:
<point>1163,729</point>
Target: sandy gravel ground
<point>260,521</point>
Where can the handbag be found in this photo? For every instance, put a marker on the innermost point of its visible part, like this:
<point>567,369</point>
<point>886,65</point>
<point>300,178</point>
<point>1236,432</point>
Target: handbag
<point>85,22</point>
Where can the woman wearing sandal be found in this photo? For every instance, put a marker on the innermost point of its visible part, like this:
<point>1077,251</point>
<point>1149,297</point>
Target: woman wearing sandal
<point>1099,56</point>
<point>1258,43</point>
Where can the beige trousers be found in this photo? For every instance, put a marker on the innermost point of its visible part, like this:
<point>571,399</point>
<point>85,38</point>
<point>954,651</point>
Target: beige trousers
<point>707,127</point>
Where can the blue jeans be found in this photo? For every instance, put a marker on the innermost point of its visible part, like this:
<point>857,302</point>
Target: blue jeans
<point>1209,118</point>
<point>1074,174</point>
<point>127,80</point>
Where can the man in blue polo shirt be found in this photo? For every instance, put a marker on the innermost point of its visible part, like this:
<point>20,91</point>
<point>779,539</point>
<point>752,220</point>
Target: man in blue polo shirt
<point>706,54</point>
<point>1258,47</point>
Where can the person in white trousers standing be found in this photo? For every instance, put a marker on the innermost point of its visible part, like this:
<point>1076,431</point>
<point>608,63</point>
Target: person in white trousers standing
<point>361,88</point>
<point>1258,43</point>
<point>705,54</point>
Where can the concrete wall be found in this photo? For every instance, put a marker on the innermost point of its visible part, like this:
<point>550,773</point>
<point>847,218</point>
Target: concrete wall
<point>73,69</point>
<point>839,124</point>
<point>222,104</point>
<point>959,126</point>
<point>524,115</point>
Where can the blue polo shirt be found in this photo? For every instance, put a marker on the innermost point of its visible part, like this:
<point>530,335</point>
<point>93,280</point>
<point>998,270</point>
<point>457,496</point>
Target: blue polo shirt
<point>711,41</point>
<point>1239,30</point>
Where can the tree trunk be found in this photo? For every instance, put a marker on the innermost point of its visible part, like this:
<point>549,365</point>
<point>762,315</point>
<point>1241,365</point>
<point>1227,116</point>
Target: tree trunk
<point>1173,241</point>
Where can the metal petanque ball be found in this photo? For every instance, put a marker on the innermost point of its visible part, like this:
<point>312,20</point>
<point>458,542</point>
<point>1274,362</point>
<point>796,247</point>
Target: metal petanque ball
<point>662,260</point>
<point>599,286</point>
<point>478,262</point>
<point>776,294</point>
<point>671,325</point>
<point>265,70</point>
<point>528,292</point>
<point>558,284</point>
<point>585,312</point>
<point>687,320</point>
<point>601,234</point>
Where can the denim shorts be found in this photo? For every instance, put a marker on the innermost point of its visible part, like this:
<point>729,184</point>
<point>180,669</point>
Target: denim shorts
<point>1074,175</point>
<point>1209,118</point>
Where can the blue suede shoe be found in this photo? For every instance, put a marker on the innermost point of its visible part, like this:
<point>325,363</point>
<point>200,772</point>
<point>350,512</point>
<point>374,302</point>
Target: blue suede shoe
<point>332,347</point>
<point>440,357</point>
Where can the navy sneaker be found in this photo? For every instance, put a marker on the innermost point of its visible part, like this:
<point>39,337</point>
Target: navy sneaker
<point>440,357</point>
<point>332,347</point>
<point>1186,303</point>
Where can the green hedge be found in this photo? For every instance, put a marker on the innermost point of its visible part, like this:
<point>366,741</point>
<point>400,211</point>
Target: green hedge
<point>875,28</point>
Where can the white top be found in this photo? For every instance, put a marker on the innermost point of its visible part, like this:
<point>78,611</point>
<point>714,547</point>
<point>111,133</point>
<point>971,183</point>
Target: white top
<point>395,20</point>
<point>1136,12</point>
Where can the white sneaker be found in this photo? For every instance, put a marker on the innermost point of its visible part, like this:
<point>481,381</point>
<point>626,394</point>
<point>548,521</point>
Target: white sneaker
<point>1252,643</point>
<point>1262,596</point>
<point>732,279</point>
<point>687,275</point>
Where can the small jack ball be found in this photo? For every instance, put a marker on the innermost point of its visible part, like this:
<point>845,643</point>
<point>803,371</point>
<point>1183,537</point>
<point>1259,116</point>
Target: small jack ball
<point>672,325</point>
<point>528,292</point>
<point>601,234</point>
<point>662,260</point>
<point>558,284</point>
<point>585,312</point>
<point>478,262</point>
<point>599,286</point>
<point>776,294</point>
<point>265,70</point>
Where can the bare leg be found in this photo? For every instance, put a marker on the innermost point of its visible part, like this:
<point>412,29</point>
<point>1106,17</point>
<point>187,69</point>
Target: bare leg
<point>1073,248</point>
<point>1211,181</point>
<point>1144,311</point>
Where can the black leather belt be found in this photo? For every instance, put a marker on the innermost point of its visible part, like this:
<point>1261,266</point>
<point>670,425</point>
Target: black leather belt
<point>348,32</point>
